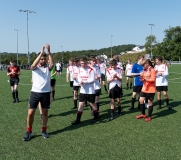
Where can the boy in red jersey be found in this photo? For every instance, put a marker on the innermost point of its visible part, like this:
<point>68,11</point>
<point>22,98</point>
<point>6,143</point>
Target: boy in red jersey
<point>13,72</point>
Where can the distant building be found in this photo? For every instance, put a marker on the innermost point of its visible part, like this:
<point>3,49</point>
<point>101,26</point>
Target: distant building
<point>137,49</point>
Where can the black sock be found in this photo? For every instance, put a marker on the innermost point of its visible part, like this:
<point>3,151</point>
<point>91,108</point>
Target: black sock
<point>142,107</point>
<point>13,94</point>
<point>167,101</point>
<point>53,94</point>
<point>96,113</point>
<point>127,85</point>
<point>132,102</point>
<point>119,109</point>
<point>146,100</point>
<point>79,114</point>
<point>159,102</point>
<point>75,103</point>
<point>112,112</point>
<point>105,88</point>
<point>150,110</point>
<point>97,106</point>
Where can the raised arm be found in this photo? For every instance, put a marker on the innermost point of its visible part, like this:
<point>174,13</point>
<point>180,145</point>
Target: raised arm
<point>47,46</point>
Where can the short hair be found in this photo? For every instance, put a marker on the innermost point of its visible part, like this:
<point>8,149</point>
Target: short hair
<point>92,58</point>
<point>139,57</point>
<point>113,62</point>
<point>43,55</point>
<point>149,62</point>
<point>116,58</point>
<point>159,58</point>
<point>76,59</point>
<point>12,60</point>
<point>83,58</point>
<point>71,59</point>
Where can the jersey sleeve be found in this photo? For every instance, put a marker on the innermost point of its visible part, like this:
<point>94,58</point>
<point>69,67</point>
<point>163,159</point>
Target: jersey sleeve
<point>165,74</point>
<point>68,70</point>
<point>91,78</point>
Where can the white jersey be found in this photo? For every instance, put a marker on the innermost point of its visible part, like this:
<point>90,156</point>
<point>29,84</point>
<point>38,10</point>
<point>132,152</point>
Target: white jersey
<point>161,80</point>
<point>97,74</point>
<point>70,72</point>
<point>110,73</point>
<point>41,79</point>
<point>120,65</point>
<point>58,66</point>
<point>129,69</point>
<point>75,71</point>
<point>102,67</point>
<point>87,76</point>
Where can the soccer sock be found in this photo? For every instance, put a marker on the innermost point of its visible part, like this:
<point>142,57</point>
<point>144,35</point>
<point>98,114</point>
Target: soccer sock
<point>75,103</point>
<point>119,109</point>
<point>150,110</point>
<point>97,104</point>
<point>142,106</point>
<point>44,129</point>
<point>13,94</point>
<point>96,113</point>
<point>167,101</point>
<point>146,100</point>
<point>53,94</point>
<point>29,129</point>
<point>112,112</point>
<point>105,88</point>
<point>16,93</point>
<point>132,102</point>
<point>159,102</point>
<point>79,114</point>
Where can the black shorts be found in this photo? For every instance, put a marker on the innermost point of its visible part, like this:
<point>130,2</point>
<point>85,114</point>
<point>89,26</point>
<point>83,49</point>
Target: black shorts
<point>71,83</point>
<point>98,91</point>
<point>14,81</point>
<point>76,88</point>
<point>162,88</point>
<point>103,77</point>
<point>88,97</point>
<point>58,71</point>
<point>52,82</point>
<point>137,89</point>
<point>43,98</point>
<point>115,92</point>
<point>149,96</point>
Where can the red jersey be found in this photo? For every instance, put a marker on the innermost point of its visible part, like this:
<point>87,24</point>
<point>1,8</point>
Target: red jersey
<point>15,69</point>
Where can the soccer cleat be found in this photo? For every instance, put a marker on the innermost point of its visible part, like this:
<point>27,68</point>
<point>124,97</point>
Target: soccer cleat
<point>169,107</point>
<point>141,116</point>
<point>14,101</point>
<point>17,100</point>
<point>130,108</point>
<point>27,136</point>
<point>45,135</point>
<point>159,107</point>
<point>75,122</point>
<point>147,119</point>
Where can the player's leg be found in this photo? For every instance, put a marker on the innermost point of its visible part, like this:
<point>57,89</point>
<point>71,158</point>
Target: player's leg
<point>150,97</point>
<point>127,83</point>
<point>166,98</point>
<point>53,81</point>
<point>12,89</point>
<point>16,89</point>
<point>75,88</point>
<point>130,82</point>
<point>142,106</point>
<point>40,110</point>
<point>133,100</point>
<point>159,97</point>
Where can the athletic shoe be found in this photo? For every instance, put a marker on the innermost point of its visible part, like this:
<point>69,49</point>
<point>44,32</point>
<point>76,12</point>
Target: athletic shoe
<point>17,100</point>
<point>147,119</point>
<point>169,107</point>
<point>141,116</point>
<point>14,101</point>
<point>27,136</point>
<point>111,118</point>
<point>75,122</point>
<point>130,108</point>
<point>159,107</point>
<point>45,135</point>
<point>94,120</point>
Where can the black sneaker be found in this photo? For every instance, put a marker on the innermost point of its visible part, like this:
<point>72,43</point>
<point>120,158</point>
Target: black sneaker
<point>45,135</point>
<point>14,101</point>
<point>130,108</point>
<point>75,122</point>
<point>169,107</point>
<point>159,107</point>
<point>17,100</point>
<point>27,136</point>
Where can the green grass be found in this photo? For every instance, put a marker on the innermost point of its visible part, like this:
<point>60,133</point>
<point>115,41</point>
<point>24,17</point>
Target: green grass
<point>124,138</point>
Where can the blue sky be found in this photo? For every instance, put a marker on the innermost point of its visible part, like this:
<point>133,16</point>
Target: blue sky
<point>84,24</point>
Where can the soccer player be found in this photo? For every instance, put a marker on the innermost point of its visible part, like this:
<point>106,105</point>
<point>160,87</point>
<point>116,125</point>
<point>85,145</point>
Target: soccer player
<point>53,80</point>
<point>102,67</point>
<point>136,70</point>
<point>13,72</point>
<point>114,78</point>
<point>86,79</point>
<point>70,72</point>
<point>40,91</point>
<point>76,86</point>
<point>97,85</point>
<point>161,81</point>
<point>58,66</point>
<point>148,77</point>
<point>129,67</point>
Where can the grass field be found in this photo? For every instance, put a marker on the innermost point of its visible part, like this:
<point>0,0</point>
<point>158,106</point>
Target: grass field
<point>124,138</point>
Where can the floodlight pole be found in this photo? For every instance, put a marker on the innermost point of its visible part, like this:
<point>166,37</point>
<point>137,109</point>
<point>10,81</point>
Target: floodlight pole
<point>111,44</point>
<point>17,30</point>
<point>151,39</point>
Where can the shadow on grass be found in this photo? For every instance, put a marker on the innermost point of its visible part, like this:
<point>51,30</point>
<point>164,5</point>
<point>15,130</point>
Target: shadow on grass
<point>57,99</point>
<point>63,114</point>
<point>163,113</point>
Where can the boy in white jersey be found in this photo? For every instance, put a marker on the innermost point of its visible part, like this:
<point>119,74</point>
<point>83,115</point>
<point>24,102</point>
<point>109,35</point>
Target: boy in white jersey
<point>75,71</point>
<point>114,77</point>
<point>70,72</point>
<point>103,67</point>
<point>58,66</point>
<point>97,85</point>
<point>86,79</point>
<point>40,91</point>
<point>128,70</point>
<point>161,81</point>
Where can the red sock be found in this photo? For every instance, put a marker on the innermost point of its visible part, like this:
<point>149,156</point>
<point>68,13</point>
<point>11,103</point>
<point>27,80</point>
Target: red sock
<point>44,129</point>
<point>29,129</point>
